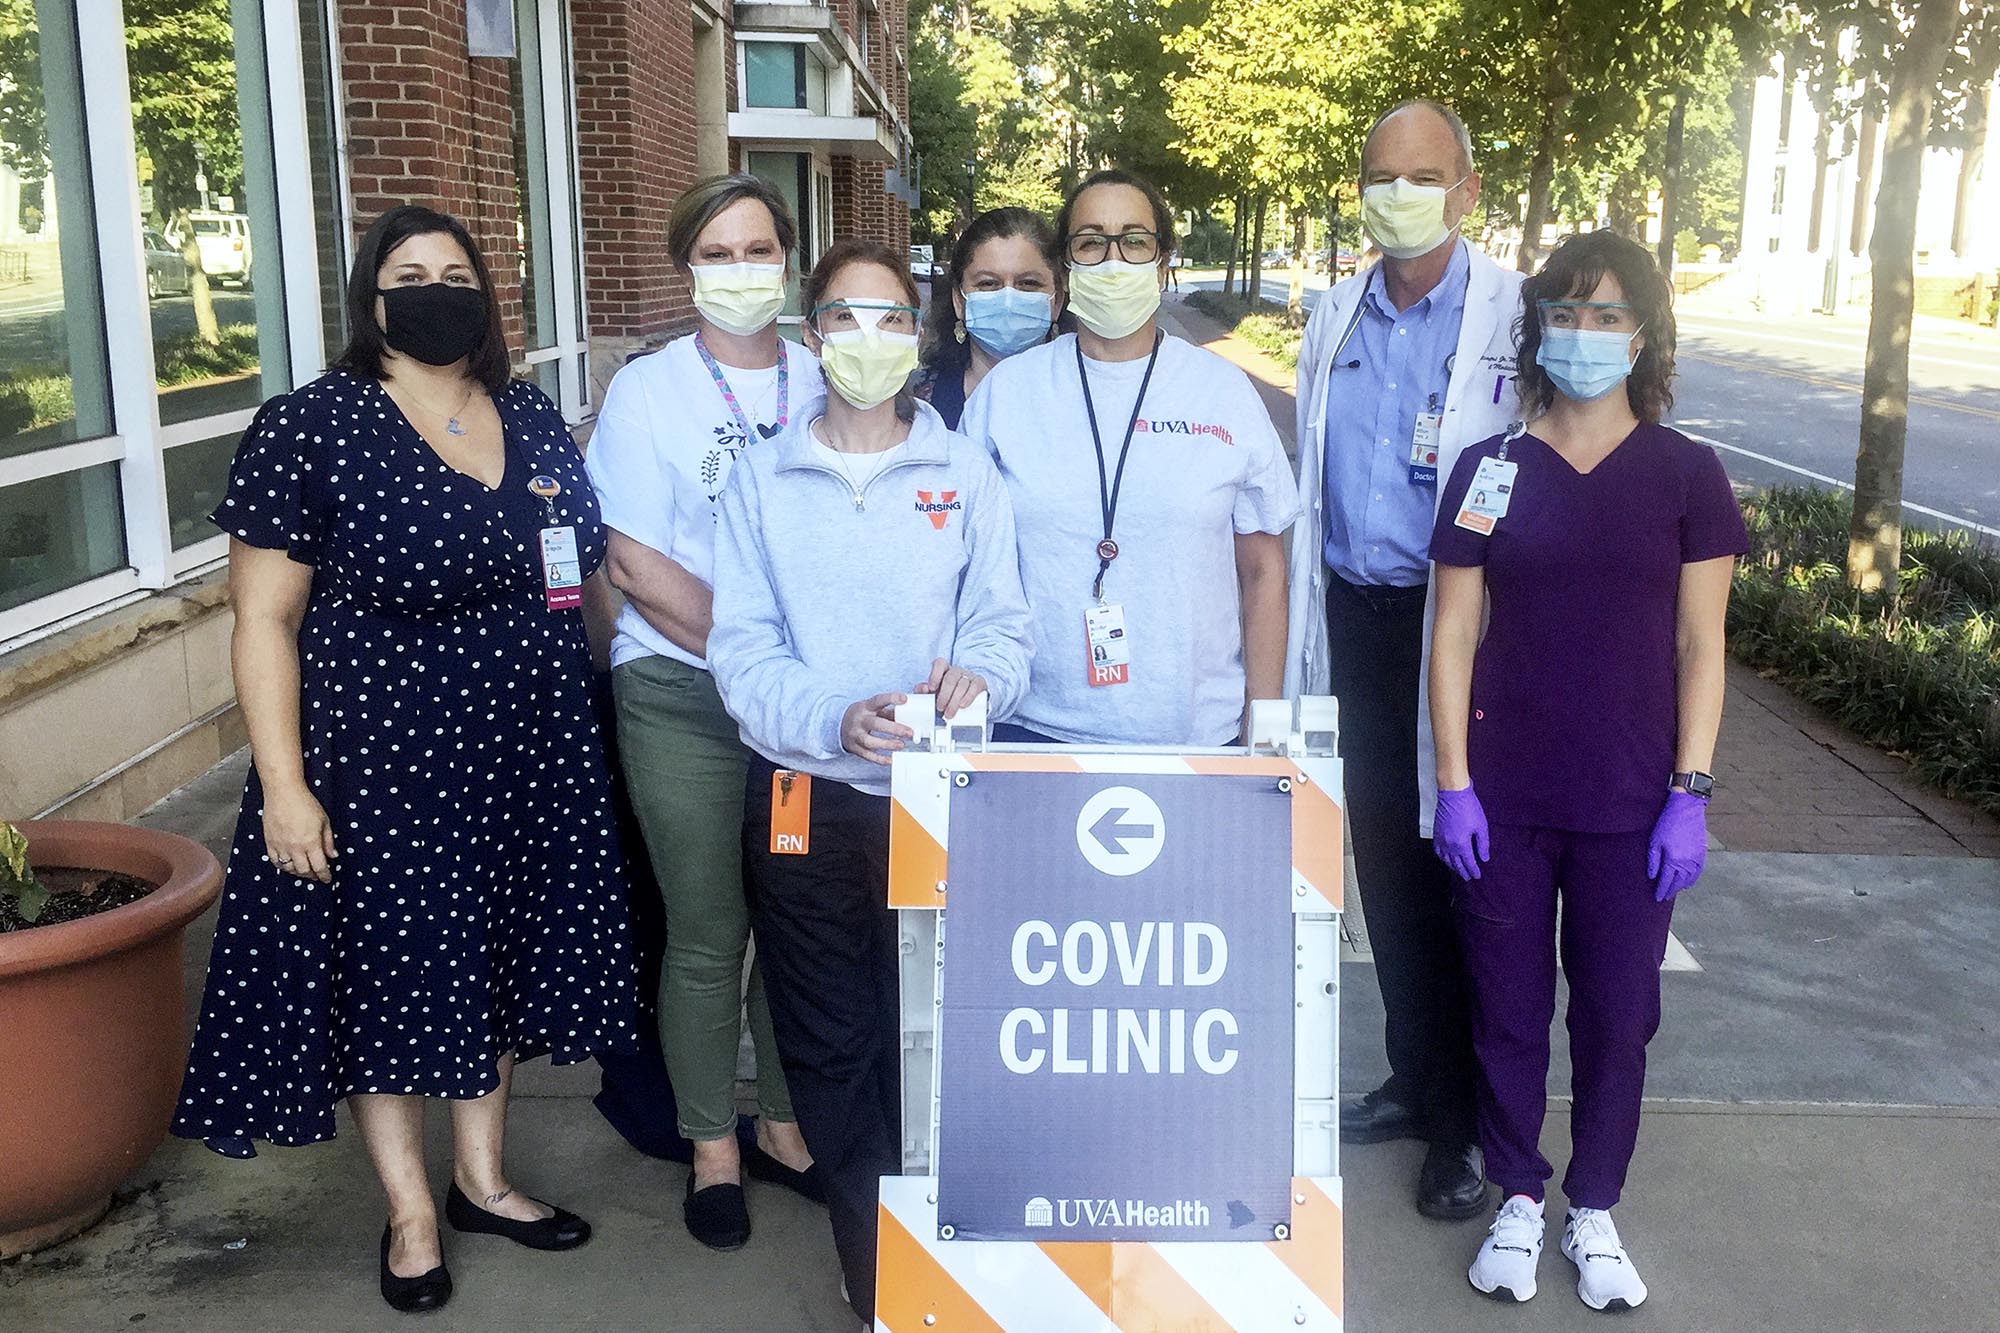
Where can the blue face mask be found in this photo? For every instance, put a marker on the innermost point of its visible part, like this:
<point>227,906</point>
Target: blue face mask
<point>1007,321</point>
<point>1585,364</point>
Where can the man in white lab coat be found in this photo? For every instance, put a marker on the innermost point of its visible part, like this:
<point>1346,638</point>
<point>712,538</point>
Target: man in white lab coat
<point>1403,366</point>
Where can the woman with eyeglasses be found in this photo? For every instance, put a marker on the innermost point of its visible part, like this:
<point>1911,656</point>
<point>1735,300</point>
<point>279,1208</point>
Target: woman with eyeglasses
<point>1595,545</point>
<point>864,555</point>
<point>1004,300</point>
<point>1151,491</point>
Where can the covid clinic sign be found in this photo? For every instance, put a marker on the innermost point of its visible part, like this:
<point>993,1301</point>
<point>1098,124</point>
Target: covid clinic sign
<point>1116,1037</point>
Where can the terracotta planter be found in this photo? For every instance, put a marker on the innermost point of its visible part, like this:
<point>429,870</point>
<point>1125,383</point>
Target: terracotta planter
<point>92,1039</point>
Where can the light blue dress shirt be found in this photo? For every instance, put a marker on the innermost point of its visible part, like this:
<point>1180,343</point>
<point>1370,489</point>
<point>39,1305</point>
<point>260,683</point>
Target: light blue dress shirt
<point>1378,521</point>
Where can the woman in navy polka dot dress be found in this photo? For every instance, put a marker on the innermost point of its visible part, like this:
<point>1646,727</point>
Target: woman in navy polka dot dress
<point>425,885</point>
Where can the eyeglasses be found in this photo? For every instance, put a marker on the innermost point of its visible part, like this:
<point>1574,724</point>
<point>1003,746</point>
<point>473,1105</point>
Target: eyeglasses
<point>1094,247</point>
<point>1613,316</point>
<point>847,316</point>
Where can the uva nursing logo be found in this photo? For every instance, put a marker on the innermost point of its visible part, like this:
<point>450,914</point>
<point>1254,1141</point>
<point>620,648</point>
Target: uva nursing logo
<point>1041,1212</point>
<point>1219,431</point>
<point>938,506</point>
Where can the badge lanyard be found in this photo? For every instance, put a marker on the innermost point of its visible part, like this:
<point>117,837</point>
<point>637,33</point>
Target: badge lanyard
<point>1108,487</point>
<point>750,433</point>
<point>562,566</point>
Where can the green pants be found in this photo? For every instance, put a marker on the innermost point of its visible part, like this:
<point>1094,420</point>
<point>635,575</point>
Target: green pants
<point>685,768</point>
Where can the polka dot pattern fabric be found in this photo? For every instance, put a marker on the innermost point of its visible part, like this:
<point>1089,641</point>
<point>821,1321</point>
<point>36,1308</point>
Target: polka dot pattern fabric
<point>477,903</point>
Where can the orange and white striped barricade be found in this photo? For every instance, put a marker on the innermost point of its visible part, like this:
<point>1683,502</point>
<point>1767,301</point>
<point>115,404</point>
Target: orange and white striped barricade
<point>1120,1015</point>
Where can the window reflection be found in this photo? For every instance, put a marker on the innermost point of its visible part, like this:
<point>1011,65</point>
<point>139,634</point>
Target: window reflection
<point>58,531</point>
<point>54,386</point>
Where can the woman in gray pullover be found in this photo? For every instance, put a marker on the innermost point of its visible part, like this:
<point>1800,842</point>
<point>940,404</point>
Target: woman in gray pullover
<point>864,555</point>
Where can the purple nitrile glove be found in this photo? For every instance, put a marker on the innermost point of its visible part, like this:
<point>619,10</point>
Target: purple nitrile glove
<point>1679,846</point>
<point>1459,834</point>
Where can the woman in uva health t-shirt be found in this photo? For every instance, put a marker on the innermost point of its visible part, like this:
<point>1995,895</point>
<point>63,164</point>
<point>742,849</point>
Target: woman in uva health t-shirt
<point>674,423</point>
<point>1150,491</point>
<point>1574,733</point>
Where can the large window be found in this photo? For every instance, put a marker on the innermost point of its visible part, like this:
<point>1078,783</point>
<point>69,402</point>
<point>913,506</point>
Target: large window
<point>546,222</point>
<point>783,76</point>
<point>155,222</point>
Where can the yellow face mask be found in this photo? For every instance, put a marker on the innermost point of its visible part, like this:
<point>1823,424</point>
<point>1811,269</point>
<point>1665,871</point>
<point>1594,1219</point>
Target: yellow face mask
<point>1114,298</point>
<point>739,298</point>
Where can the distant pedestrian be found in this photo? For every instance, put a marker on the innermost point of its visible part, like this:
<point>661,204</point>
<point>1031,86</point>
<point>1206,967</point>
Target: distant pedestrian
<point>1151,489</point>
<point>424,886</point>
<point>674,424</point>
<point>1403,365</point>
<point>864,555</point>
<point>1005,298</point>
<point>1573,734</point>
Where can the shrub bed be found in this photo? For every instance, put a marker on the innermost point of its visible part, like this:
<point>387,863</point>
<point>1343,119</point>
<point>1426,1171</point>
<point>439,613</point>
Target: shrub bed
<point>1266,328</point>
<point>1922,680</point>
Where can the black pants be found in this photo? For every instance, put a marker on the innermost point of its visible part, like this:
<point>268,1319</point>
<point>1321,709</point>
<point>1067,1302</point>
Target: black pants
<point>828,944</point>
<point>1376,638</point>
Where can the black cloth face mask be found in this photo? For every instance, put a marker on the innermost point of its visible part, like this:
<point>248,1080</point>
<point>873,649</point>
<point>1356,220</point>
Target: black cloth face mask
<point>436,323</point>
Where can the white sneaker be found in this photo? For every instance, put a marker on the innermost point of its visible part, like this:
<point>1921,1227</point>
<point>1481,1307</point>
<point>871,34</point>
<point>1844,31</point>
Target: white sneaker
<point>1505,1264</point>
<point>1605,1278</point>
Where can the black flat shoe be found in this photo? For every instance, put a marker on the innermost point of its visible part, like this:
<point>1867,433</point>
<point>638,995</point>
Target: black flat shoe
<point>564,1231</point>
<point>1377,1118</point>
<point>1452,1185</point>
<point>414,1295</point>
<point>762,1166</point>
<point>717,1216</point>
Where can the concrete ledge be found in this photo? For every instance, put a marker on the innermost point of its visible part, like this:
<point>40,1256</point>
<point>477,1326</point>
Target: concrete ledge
<point>157,772</point>
<point>49,661</point>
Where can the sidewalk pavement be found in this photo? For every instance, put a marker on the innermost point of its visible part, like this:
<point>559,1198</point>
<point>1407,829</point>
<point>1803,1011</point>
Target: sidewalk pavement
<point>1821,1149</point>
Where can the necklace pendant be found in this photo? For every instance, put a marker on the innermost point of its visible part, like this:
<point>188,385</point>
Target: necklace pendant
<point>453,428</point>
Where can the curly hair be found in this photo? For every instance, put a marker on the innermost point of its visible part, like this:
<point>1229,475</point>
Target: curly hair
<point>944,354</point>
<point>1572,273</point>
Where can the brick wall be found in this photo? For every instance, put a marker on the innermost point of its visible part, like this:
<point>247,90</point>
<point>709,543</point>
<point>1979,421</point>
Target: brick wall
<point>428,124</point>
<point>636,114</point>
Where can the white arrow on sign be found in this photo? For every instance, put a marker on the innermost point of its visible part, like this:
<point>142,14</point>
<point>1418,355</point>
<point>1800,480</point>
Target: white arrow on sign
<point>1120,831</point>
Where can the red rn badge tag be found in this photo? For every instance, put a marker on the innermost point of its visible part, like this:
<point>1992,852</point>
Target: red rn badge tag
<point>562,572</point>
<point>1110,652</point>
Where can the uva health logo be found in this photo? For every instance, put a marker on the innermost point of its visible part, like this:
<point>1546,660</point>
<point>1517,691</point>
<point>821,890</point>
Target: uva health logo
<point>1041,1212</point>
<point>938,506</point>
<point>1145,425</point>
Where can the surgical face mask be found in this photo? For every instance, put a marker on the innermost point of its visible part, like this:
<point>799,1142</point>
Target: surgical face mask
<point>437,323</point>
<point>739,298</point>
<point>1114,298</point>
<point>1585,364</point>
<point>1008,321</point>
<point>867,349</point>
<point>1406,220</point>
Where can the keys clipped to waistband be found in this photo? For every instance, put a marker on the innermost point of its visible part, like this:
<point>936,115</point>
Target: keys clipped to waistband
<point>791,813</point>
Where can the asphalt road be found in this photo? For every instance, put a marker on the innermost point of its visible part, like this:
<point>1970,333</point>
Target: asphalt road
<point>1781,401</point>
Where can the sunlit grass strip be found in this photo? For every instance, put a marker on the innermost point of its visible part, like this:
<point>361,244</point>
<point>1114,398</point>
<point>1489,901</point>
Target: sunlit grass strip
<point>1923,683</point>
<point>1266,329</point>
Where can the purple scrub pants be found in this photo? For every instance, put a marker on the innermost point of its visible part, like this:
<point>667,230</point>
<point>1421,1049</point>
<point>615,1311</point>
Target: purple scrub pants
<point>1613,938</point>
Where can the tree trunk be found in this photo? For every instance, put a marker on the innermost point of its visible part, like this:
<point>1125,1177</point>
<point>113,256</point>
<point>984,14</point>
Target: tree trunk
<point>203,298</point>
<point>1333,237</point>
<point>1235,246</point>
<point>1295,294</point>
<point>1541,174</point>
<point>1822,144</point>
<point>1972,158</point>
<point>1864,185</point>
<point>1670,180</point>
<point>1255,291</point>
<point>1875,539</point>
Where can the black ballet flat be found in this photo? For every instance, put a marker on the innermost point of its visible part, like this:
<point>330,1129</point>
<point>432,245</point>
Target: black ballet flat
<point>717,1215</point>
<point>414,1295</point>
<point>564,1231</point>
<point>763,1166</point>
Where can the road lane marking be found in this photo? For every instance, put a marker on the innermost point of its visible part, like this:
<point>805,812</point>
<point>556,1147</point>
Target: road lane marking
<point>1713,443</point>
<point>1755,368</point>
<point>1763,333</point>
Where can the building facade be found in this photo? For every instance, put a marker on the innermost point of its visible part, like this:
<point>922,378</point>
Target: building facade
<point>181,186</point>
<point>1809,206</point>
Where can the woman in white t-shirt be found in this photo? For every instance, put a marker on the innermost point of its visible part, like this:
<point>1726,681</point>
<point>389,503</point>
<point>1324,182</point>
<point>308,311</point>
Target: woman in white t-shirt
<point>1150,491</point>
<point>672,425</point>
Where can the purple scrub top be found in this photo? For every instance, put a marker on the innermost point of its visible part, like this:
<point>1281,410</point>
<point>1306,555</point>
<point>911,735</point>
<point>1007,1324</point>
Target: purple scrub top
<point>1574,706</point>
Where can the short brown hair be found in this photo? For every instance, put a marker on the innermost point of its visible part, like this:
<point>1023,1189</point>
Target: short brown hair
<point>1572,273</point>
<point>702,201</point>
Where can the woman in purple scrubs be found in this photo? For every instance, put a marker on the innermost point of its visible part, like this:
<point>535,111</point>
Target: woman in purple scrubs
<point>1573,737</point>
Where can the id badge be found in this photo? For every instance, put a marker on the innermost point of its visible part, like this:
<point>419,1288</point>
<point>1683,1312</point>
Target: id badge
<point>791,813</point>
<point>1424,448</point>
<point>1110,651</point>
<point>562,572</point>
<point>1486,500</point>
